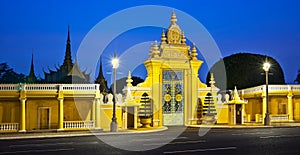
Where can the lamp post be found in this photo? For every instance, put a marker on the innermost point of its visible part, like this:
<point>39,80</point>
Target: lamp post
<point>114,124</point>
<point>266,68</point>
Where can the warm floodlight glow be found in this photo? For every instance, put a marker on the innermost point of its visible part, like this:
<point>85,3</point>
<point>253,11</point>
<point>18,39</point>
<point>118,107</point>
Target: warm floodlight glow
<point>266,66</point>
<point>115,62</point>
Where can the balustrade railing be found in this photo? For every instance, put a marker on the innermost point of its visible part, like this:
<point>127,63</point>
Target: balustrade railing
<point>279,117</point>
<point>9,87</point>
<point>252,90</point>
<point>295,87</point>
<point>272,88</point>
<point>79,124</point>
<point>41,87</point>
<point>79,87</point>
<point>49,87</point>
<point>9,126</point>
<point>278,87</point>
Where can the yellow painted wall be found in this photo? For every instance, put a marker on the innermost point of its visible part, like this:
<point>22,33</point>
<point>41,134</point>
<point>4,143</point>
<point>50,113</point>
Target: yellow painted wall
<point>106,116</point>
<point>254,106</point>
<point>32,106</point>
<point>296,101</point>
<point>222,114</point>
<point>278,105</point>
<point>9,111</point>
<point>77,109</point>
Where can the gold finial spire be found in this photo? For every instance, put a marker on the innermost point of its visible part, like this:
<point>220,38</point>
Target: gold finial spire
<point>151,51</point>
<point>236,95</point>
<point>194,52</point>
<point>129,79</point>
<point>173,18</point>
<point>212,80</point>
<point>182,38</point>
<point>163,37</point>
<point>155,50</point>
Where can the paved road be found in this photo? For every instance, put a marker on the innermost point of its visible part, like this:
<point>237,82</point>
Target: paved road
<point>172,141</point>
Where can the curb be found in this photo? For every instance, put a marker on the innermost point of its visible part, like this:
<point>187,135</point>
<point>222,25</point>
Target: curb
<point>242,126</point>
<point>124,132</point>
<point>70,134</point>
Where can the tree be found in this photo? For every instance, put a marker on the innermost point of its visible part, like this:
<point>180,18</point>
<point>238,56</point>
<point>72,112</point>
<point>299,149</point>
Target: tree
<point>7,75</point>
<point>244,70</point>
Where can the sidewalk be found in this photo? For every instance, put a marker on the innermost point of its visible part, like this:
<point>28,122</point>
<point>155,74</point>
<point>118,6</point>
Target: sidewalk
<point>250,125</point>
<point>55,134</point>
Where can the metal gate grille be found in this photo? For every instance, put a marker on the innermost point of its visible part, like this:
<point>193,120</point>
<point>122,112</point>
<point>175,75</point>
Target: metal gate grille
<point>173,101</point>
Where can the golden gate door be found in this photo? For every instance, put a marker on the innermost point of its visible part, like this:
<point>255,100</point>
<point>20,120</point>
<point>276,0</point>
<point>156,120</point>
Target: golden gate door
<point>173,101</point>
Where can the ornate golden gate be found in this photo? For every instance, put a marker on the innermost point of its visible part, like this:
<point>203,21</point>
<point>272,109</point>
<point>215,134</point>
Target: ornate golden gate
<point>173,101</point>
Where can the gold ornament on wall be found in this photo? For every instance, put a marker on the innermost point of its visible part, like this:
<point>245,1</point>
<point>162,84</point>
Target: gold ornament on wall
<point>178,97</point>
<point>167,97</point>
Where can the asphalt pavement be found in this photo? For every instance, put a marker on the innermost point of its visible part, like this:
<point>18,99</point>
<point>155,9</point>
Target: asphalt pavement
<point>54,133</point>
<point>174,140</point>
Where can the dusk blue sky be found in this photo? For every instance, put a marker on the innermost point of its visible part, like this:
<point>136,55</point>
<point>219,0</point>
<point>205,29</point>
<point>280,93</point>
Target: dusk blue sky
<point>40,27</point>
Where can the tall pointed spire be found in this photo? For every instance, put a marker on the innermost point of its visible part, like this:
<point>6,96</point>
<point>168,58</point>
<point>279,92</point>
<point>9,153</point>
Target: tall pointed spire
<point>101,69</point>
<point>129,80</point>
<point>68,40</point>
<point>32,67</point>
<point>68,58</point>
<point>212,80</point>
<point>173,18</point>
<point>101,79</point>
<point>163,37</point>
<point>174,32</point>
<point>194,52</point>
<point>31,78</point>
<point>155,50</point>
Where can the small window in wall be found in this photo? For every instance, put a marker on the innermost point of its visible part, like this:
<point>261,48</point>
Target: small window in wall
<point>282,108</point>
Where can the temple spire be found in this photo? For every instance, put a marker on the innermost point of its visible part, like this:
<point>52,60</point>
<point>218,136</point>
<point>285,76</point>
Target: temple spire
<point>173,18</point>
<point>31,78</point>
<point>194,52</point>
<point>68,58</point>
<point>68,40</point>
<point>101,79</point>
<point>163,37</point>
<point>32,67</point>
<point>129,80</point>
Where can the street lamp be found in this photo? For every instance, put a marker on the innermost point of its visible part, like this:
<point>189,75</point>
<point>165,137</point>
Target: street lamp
<point>114,124</point>
<point>266,68</point>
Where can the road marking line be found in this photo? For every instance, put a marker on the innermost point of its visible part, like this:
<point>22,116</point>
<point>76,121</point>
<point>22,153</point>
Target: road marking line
<point>189,142</point>
<point>51,144</point>
<point>39,144</point>
<point>149,139</point>
<point>159,134</point>
<point>279,136</point>
<point>28,151</point>
<point>202,150</point>
<point>91,142</point>
<point>251,133</point>
<point>181,138</point>
<point>153,144</point>
<point>172,143</point>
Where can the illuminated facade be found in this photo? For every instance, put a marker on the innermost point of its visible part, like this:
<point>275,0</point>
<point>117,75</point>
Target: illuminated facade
<point>172,81</point>
<point>172,94</point>
<point>284,103</point>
